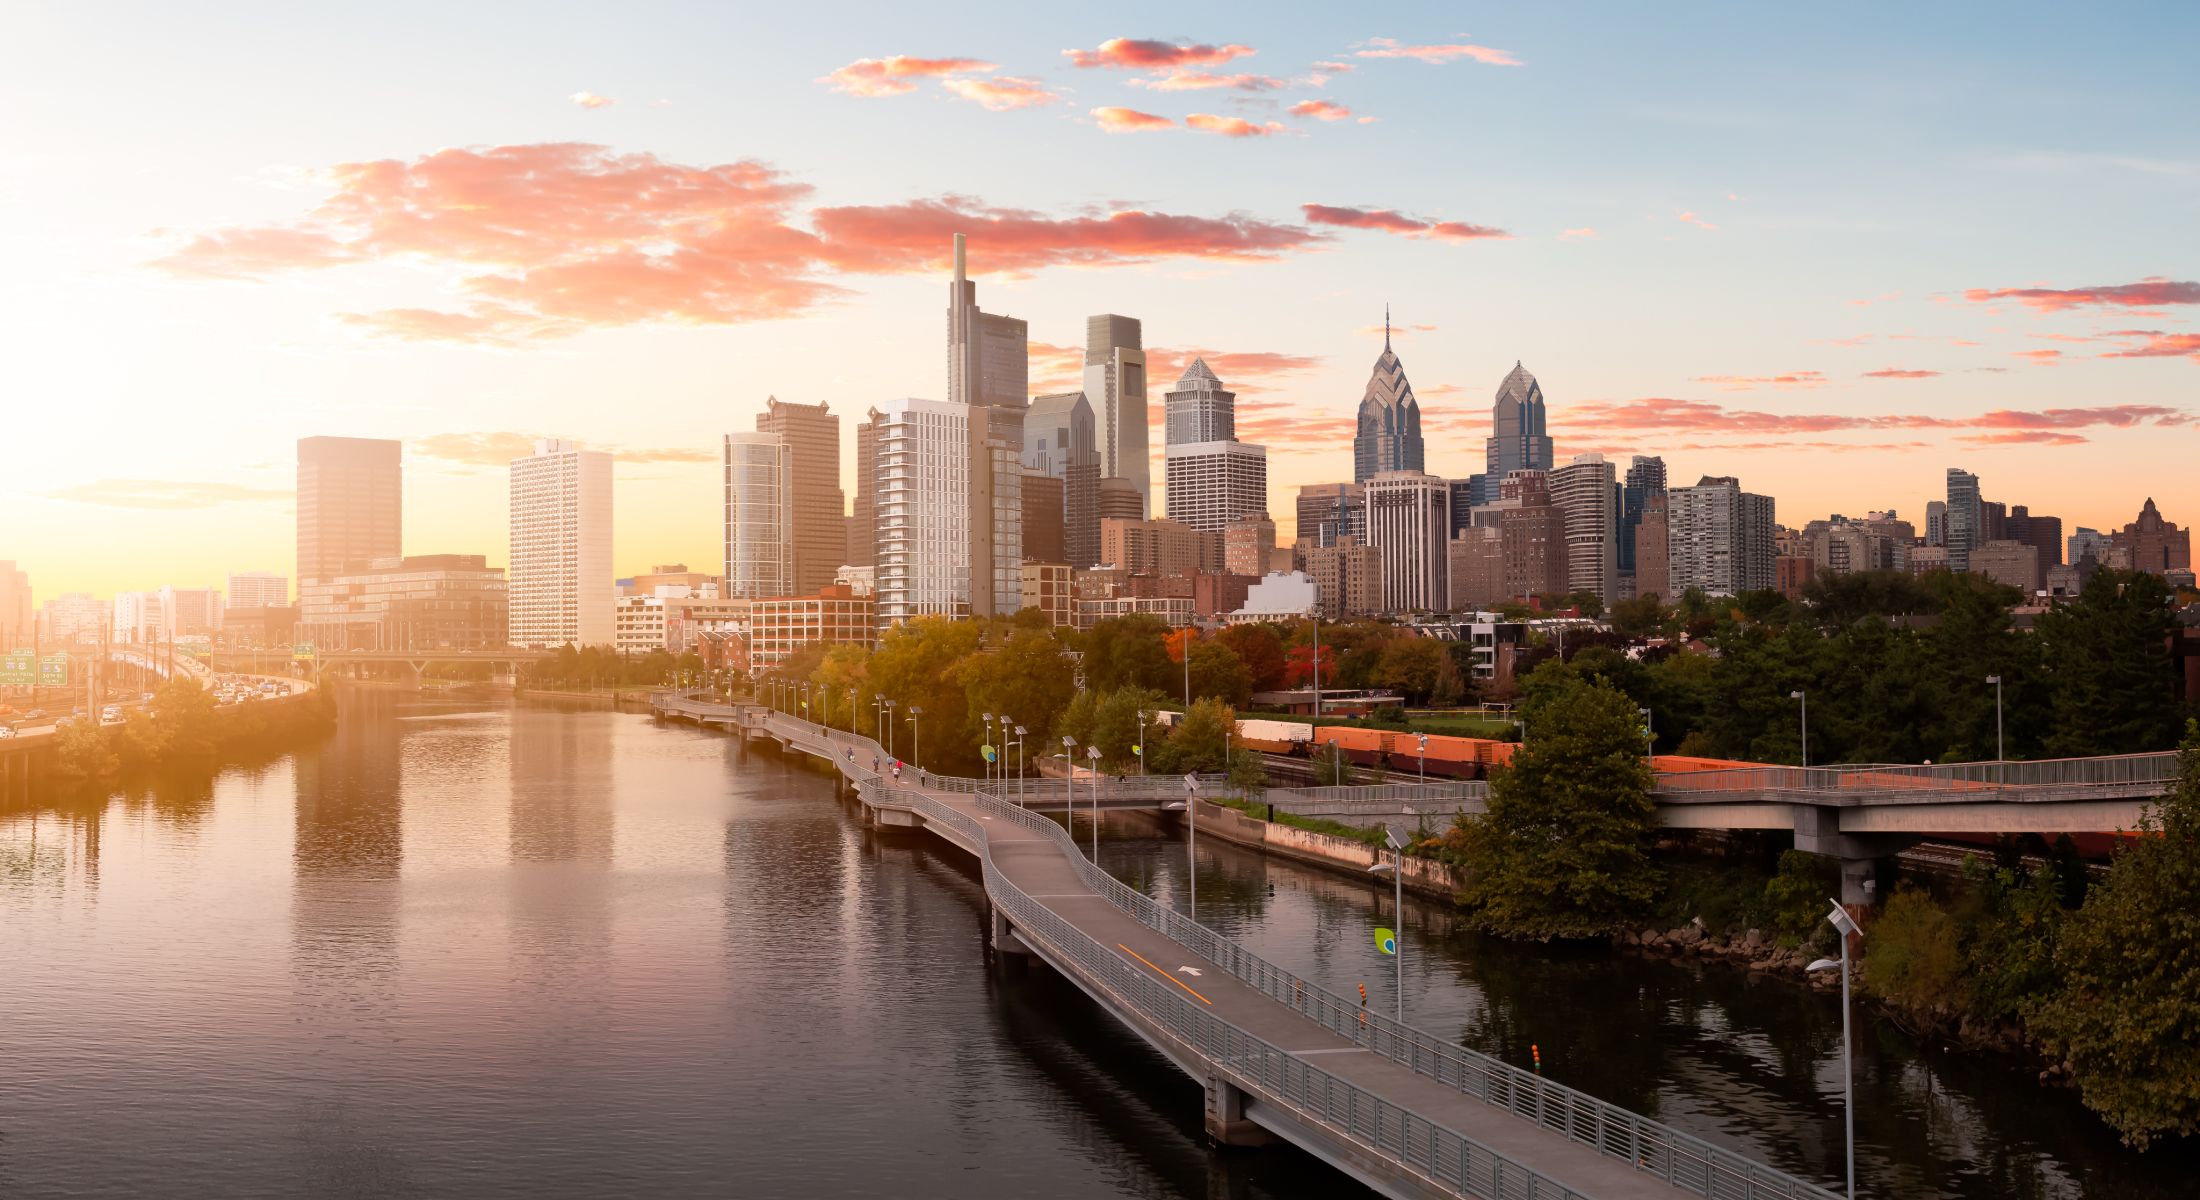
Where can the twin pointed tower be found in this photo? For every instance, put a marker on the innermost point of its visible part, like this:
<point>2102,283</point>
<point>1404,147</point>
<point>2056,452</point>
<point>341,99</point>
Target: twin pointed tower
<point>1389,437</point>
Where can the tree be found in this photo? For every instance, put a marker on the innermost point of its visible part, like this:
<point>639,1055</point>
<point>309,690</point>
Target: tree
<point>1027,679</point>
<point>1590,604</point>
<point>2129,1008</point>
<point>844,669</point>
<point>1260,648</point>
<point>1641,617</point>
<point>188,721</point>
<point>85,752</point>
<point>1218,673</point>
<point>914,667</point>
<point>1128,652</point>
<point>1409,665</point>
<point>2108,667</point>
<point>1198,743</point>
<point>1563,849</point>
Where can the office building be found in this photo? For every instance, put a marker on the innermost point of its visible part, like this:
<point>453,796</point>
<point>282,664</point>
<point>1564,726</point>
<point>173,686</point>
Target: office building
<point>1532,531</point>
<point>1653,562</point>
<point>258,589</point>
<point>923,510</point>
<point>71,617</point>
<point>1478,568</point>
<point>416,602</point>
<point>18,620</point>
<point>988,355</point>
<point>350,504</point>
<point>191,611</point>
<point>2012,563</point>
<point>2041,532</point>
<point>863,508</point>
<point>561,588</point>
<point>1115,384</point>
<point>2087,543</point>
<point>1965,519</point>
<point>1720,538</point>
<point>1519,439</point>
<point>1157,547</point>
<point>1043,533</point>
<point>818,511</point>
<point>1119,500</point>
<point>1409,522</point>
<point>1645,478</point>
<point>1348,577</point>
<point>1061,439</point>
<point>2153,544</point>
<point>1329,511</point>
<point>1389,433</point>
<point>1582,492</point>
<point>138,618</point>
<point>759,529</point>
<point>1213,479</point>
<point>996,515</point>
<point>779,626</point>
<point>1248,545</point>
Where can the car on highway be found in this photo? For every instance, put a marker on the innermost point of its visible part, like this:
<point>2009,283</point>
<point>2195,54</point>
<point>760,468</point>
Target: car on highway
<point>7,731</point>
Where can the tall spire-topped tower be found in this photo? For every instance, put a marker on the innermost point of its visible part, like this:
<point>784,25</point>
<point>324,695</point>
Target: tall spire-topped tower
<point>1389,436</point>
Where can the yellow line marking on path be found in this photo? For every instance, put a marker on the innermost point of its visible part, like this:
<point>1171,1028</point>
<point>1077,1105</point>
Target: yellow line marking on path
<point>1164,974</point>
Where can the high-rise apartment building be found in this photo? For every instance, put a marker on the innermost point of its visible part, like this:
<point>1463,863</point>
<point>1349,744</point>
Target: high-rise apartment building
<point>1966,519</point>
<point>1533,536</point>
<point>996,510</point>
<point>258,589</point>
<point>1042,532</point>
<point>561,588</point>
<point>191,610</point>
<point>1478,568</point>
<point>1248,545</point>
<point>1936,523</point>
<point>2043,533</point>
<point>812,437</point>
<point>1389,433</point>
<point>2011,563</point>
<point>138,617</point>
<point>1519,439</point>
<point>73,617</point>
<point>760,538</point>
<point>350,504</point>
<point>1582,492</point>
<point>1645,478</point>
<point>1158,547</point>
<point>1328,511</point>
<point>863,509</point>
<point>1061,439</point>
<point>1115,383</point>
<point>1720,538</point>
<point>1348,577</point>
<point>923,509</point>
<point>1653,552</point>
<point>1216,479</point>
<point>1409,521</point>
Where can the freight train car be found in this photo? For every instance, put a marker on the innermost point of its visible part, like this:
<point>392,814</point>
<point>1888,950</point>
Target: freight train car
<point>1358,746</point>
<point>1276,737</point>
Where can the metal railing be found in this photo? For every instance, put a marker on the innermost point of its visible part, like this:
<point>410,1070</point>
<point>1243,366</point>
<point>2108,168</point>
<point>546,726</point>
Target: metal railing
<point>2001,781</point>
<point>1681,1160</point>
<point>1449,792</point>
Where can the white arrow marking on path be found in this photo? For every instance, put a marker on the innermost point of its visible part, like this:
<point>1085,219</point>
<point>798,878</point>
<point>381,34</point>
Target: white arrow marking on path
<point>1187,970</point>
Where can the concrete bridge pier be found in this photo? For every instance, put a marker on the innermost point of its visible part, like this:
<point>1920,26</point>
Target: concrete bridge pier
<point>1226,1121</point>
<point>1818,830</point>
<point>1002,937</point>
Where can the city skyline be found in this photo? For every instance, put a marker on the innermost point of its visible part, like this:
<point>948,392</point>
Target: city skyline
<point>1969,295</point>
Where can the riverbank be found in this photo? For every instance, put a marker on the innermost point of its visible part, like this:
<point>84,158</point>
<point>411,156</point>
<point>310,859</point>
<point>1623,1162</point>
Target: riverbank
<point>621,700</point>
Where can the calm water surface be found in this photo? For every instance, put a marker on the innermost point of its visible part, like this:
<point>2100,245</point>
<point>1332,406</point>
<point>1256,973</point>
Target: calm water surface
<point>458,951</point>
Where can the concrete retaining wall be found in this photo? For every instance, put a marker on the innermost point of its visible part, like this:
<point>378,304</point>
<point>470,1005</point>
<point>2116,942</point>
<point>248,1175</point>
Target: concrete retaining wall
<point>1425,876</point>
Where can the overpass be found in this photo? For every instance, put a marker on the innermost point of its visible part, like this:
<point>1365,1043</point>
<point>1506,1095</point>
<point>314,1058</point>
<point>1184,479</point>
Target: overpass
<point>1277,1057</point>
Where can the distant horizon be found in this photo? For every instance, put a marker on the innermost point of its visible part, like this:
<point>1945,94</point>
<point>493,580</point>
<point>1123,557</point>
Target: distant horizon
<point>1829,257</point>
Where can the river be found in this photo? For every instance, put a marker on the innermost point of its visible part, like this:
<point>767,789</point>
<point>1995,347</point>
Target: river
<point>491,951</point>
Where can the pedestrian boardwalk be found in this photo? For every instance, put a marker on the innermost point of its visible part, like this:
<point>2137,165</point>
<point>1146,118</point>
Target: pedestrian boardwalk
<point>1407,1113</point>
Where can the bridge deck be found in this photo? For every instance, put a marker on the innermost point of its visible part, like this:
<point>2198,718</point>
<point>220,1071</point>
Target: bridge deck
<point>1401,1109</point>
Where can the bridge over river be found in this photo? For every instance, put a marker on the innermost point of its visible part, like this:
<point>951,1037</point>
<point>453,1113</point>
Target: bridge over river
<point>1402,1110</point>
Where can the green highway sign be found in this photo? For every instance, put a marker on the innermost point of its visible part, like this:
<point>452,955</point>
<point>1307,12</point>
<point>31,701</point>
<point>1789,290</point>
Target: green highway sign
<point>53,671</point>
<point>18,668</point>
<point>303,651</point>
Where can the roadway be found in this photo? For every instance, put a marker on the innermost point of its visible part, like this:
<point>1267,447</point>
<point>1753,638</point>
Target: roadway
<point>1405,1112</point>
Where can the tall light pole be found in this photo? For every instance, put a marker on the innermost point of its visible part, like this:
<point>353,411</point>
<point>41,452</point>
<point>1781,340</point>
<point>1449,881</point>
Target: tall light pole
<point>1019,764</point>
<point>1000,754</point>
<point>1424,759</point>
<point>1140,748</point>
<point>1803,696</point>
<point>878,718</point>
<point>851,712</point>
<point>1396,869</point>
<point>890,730</point>
<point>1999,756</point>
<point>1187,671</point>
<point>916,736</point>
<point>987,719</point>
<point>1846,925</point>
<point>1069,780</point>
<point>1092,754</point>
<point>1190,806</point>
<point>1317,662</point>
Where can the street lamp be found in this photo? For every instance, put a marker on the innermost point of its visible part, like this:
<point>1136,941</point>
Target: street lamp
<point>890,729</point>
<point>916,736</point>
<point>1019,764</point>
<point>1140,748</point>
<point>1803,696</point>
<point>1397,871</point>
<point>1069,779</point>
<point>1092,755</point>
<point>1998,755</point>
<point>1424,760</point>
<point>986,720</point>
<point>1846,925</point>
<point>1190,805</point>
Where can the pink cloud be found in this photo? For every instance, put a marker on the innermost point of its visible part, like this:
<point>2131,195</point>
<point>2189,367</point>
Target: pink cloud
<point>1145,54</point>
<point>1240,370</point>
<point>2147,293</point>
<point>1703,417</point>
<point>1392,221</point>
<point>2154,343</point>
<point>1322,110</point>
<point>1236,127</point>
<point>546,240</point>
<point>1583,234</point>
<point>1438,54</point>
<point>2035,437</point>
<point>1001,93</point>
<point>2045,358</point>
<point>591,100</point>
<point>1129,120</point>
<point>896,74</point>
<point>1900,373</point>
<point>1743,383</point>
<point>1692,219</point>
<point>1882,298</point>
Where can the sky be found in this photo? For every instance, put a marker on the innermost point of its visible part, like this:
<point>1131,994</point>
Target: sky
<point>1830,251</point>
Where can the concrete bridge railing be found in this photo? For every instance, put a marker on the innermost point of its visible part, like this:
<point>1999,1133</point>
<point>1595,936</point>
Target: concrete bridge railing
<point>1422,1147</point>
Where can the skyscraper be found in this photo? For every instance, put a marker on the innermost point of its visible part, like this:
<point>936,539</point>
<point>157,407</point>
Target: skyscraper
<point>989,372</point>
<point>1582,492</point>
<point>1213,479</point>
<point>1720,538</point>
<point>923,509</point>
<point>812,437</point>
<point>1645,478</point>
<point>1408,521</point>
<point>988,355</point>
<point>1389,435</point>
<point>1966,519</point>
<point>1061,439</point>
<point>1328,511</point>
<point>863,510</point>
<point>761,541</point>
<point>1115,383</point>
<point>1042,531</point>
<point>561,587</point>
<point>258,589</point>
<point>1653,550</point>
<point>1518,440</point>
<point>350,504</point>
<point>1533,536</point>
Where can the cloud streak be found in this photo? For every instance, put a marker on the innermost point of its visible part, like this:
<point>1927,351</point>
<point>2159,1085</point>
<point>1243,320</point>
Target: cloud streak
<point>897,74</point>
<point>1392,221</point>
<point>1001,93</point>
<point>1437,54</point>
<point>1707,418</point>
<point>591,100</point>
<point>1744,383</point>
<point>1148,54</point>
<point>1232,127</point>
<point>1320,110</point>
<point>1113,119</point>
<point>166,493</point>
<point>2152,292</point>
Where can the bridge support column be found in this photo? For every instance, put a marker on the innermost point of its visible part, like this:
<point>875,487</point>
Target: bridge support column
<point>1003,938</point>
<point>1818,830</point>
<point>1226,1123</point>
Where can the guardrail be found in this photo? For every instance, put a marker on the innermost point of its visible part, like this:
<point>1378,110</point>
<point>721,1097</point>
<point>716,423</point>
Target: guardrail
<point>1410,793</point>
<point>2004,781</point>
<point>1681,1160</point>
